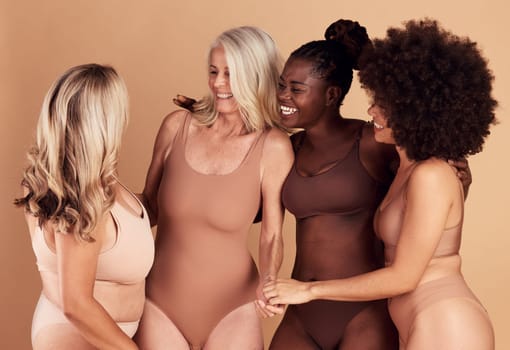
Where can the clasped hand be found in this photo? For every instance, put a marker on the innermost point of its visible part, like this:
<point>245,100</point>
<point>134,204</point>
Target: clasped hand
<point>286,291</point>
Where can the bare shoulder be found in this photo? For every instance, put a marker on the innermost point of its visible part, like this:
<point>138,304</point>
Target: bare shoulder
<point>167,131</point>
<point>433,173</point>
<point>277,149</point>
<point>277,140</point>
<point>172,121</point>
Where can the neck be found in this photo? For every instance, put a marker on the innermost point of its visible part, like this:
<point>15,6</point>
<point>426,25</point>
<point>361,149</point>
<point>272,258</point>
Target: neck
<point>405,162</point>
<point>327,127</point>
<point>229,124</point>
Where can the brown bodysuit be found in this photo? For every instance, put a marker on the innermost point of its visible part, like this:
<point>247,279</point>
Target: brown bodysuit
<point>203,270</point>
<point>441,295</point>
<point>334,239</point>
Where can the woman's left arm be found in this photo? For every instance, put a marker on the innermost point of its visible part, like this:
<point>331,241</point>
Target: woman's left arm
<point>429,199</point>
<point>277,159</point>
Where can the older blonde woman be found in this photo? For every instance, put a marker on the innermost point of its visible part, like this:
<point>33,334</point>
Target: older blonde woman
<point>209,172</point>
<point>90,235</point>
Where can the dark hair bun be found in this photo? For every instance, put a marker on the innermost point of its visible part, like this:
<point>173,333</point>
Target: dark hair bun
<point>351,35</point>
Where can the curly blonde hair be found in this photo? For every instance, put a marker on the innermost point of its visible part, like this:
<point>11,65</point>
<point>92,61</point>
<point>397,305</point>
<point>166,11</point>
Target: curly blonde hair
<point>72,166</point>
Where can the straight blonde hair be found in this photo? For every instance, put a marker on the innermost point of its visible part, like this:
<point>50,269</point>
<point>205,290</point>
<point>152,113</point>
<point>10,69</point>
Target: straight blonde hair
<point>254,65</point>
<point>72,166</point>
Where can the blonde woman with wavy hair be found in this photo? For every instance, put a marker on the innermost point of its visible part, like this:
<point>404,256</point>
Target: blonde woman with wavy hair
<point>209,173</point>
<point>90,235</point>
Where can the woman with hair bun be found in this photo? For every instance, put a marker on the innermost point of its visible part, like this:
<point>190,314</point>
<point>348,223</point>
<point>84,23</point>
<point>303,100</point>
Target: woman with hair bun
<point>339,176</point>
<point>91,236</point>
<point>432,101</point>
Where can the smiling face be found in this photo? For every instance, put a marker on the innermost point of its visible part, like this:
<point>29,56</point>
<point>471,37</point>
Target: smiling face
<point>382,132</point>
<point>219,82</point>
<point>302,97</point>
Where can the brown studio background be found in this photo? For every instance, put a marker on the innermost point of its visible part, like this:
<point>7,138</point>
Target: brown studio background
<point>159,47</point>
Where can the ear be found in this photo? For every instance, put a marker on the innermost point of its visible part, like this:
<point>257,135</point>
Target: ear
<point>333,95</point>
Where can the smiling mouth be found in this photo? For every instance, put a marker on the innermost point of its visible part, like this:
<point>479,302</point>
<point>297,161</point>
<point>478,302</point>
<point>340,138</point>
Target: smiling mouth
<point>288,110</point>
<point>224,96</point>
<point>378,126</point>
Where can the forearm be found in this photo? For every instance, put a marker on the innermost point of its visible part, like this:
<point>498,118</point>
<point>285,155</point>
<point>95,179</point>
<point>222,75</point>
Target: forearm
<point>97,326</point>
<point>270,256</point>
<point>379,284</point>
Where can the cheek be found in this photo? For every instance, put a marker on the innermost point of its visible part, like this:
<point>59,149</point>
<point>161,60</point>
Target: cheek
<point>210,82</point>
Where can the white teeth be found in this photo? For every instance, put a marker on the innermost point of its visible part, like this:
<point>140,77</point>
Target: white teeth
<point>288,110</point>
<point>224,95</point>
<point>378,126</point>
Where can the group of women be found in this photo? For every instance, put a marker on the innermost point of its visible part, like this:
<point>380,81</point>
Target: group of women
<point>378,205</point>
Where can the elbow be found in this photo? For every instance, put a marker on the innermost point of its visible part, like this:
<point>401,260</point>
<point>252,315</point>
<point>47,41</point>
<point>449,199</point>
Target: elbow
<point>72,307</point>
<point>71,312</point>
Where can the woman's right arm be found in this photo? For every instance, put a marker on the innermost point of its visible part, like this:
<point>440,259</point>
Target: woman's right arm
<point>77,264</point>
<point>162,148</point>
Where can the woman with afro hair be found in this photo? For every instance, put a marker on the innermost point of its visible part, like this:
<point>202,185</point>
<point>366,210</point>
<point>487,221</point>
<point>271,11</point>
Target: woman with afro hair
<point>431,94</point>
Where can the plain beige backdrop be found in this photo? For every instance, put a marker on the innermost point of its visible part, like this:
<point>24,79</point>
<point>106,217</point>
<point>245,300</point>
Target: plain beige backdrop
<point>159,47</point>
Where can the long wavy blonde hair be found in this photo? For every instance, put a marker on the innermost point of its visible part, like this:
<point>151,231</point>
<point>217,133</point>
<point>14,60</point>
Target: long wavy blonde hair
<point>254,65</point>
<point>72,166</point>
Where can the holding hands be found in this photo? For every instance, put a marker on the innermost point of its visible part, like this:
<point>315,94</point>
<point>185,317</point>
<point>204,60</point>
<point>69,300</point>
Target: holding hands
<point>263,306</point>
<point>287,291</point>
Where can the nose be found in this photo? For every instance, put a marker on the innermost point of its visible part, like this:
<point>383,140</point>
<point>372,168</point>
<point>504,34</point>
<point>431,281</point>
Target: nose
<point>220,81</point>
<point>283,93</point>
<point>371,111</point>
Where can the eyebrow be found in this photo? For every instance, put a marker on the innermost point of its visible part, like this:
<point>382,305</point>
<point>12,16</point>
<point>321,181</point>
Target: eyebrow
<point>213,66</point>
<point>294,82</point>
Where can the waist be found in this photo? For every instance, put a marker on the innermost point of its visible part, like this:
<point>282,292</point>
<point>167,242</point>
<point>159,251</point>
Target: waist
<point>316,263</point>
<point>172,284</point>
<point>203,262</point>
<point>123,302</point>
<point>442,267</point>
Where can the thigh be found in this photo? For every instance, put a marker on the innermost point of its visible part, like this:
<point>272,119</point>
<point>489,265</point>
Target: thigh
<point>240,329</point>
<point>157,332</point>
<point>454,323</point>
<point>290,334</point>
<point>60,336</point>
<point>371,329</point>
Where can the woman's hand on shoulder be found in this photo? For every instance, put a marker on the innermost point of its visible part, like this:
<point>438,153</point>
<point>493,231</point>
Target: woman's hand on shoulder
<point>185,102</point>
<point>463,173</point>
